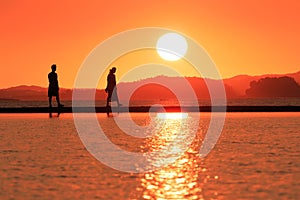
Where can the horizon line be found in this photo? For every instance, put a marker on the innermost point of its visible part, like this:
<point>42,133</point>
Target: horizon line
<point>162,75</point>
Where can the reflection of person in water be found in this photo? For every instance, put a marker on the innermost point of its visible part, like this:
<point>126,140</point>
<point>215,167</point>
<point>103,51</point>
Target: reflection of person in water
<point>53,89</point>
<point>111,88</point>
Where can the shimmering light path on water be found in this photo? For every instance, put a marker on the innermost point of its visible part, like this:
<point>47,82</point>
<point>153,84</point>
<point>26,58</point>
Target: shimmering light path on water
<point>256,157</point>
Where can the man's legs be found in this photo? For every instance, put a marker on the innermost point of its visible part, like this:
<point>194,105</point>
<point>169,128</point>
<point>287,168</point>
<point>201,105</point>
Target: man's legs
<point>50,106</point>
<point>109,94</point>
<point>50,101</point>
<point>58,102</point>
<point>107,101</point>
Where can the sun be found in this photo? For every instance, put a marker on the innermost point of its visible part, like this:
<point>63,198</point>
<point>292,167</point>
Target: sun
<point>171,46</point>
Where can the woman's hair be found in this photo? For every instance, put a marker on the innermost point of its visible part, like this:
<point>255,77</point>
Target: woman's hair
<point>113,70</point>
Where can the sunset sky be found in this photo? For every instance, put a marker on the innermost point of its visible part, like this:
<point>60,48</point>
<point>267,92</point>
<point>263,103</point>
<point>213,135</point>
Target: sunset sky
<point>242,37</point>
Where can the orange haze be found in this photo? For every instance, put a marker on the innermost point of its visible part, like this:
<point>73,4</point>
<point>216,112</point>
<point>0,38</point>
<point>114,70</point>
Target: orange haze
<point>242,37</point>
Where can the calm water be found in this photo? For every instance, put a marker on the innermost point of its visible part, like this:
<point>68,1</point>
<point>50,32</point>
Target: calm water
<point>230,102</point>
<point>256,157</point>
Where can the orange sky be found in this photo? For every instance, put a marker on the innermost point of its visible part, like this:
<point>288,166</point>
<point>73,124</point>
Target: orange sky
<point>242,37</point>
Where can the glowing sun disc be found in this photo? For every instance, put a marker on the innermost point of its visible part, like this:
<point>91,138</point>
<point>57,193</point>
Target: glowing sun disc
<point>171,46</point>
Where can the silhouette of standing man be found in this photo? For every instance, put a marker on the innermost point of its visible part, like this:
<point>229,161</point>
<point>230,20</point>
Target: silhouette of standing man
<point>53,89</point>
<point>111,88</point>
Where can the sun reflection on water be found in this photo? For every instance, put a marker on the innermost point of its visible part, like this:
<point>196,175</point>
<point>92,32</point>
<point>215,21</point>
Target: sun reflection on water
<point>179,180</point>
<point>173,116</point>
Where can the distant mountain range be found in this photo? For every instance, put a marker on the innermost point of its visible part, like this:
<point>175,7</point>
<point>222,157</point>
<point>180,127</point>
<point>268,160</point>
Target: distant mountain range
<point>149,89</point>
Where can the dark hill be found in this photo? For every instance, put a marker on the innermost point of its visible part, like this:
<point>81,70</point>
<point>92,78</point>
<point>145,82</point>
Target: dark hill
<point>148,89</point>
<point>274,87</point>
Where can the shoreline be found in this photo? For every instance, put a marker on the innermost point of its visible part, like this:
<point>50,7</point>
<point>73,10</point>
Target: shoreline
<point>153,109</point>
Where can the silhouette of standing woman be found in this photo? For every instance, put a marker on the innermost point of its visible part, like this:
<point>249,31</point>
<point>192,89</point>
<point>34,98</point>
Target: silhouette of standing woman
<point>53,89</point>
<point>111,88</point>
